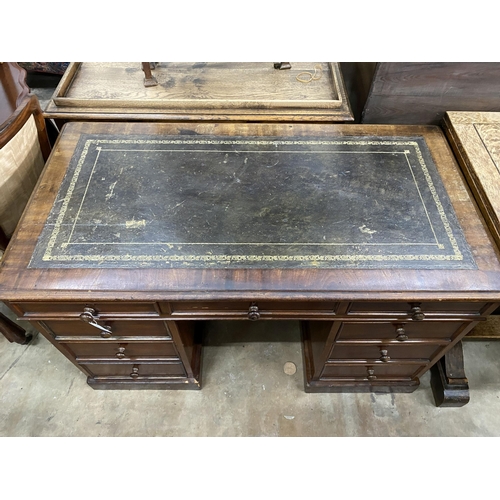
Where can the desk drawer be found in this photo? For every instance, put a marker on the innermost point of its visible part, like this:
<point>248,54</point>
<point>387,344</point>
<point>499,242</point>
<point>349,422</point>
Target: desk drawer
<point>400,331</point>
<point>74,309</point>
<point>135,371</point>
<point>249,309</point>
<point>407,308</point>
<point>370,372</point>
<point>121,350</point>
<point>132,328</point>
<point>385,352</point>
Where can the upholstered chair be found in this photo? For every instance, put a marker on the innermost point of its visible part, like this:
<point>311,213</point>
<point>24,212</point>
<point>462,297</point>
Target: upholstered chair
<point>24,149</point>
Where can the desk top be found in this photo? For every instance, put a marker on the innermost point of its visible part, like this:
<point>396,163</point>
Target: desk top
<point>252,202</point>
<point>165,210</point>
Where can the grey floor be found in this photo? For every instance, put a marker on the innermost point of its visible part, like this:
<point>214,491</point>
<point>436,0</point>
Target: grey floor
<point>246,392</point>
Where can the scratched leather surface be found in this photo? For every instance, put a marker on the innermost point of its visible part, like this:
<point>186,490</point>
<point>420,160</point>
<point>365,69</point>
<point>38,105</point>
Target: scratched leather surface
<point>264,202</point>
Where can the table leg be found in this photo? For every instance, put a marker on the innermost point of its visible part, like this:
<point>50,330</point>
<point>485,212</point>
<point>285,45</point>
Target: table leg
<point>149,79</point>
<point>448,381</point>
<point>13,332</point>
<point>4,241</point>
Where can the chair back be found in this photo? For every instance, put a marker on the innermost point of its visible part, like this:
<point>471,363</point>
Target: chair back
<point>24,149</point>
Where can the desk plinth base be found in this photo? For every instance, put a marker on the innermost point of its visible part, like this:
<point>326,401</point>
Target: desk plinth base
<point>450,386</point>
<point>184,384</point>
<point>317,386</point>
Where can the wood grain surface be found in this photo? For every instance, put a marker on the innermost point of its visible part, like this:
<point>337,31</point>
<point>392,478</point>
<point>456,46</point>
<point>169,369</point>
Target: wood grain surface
<point>201,91</point>
<point>421,92</point>
<point>475,137</point>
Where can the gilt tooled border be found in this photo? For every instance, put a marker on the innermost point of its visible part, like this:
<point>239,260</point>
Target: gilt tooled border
<point>457,255</point>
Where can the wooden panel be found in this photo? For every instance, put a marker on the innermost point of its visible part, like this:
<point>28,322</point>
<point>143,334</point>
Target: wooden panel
<point>59,309</point>
<point>360,372</point>
<point>475,137</point>
<point>125,350</point>
<point>125,369</point>
<point>358,77</point>
<point>119,328</point>
<point>420,93</point>
<point>396,352</point>
<point>241,309</point>
<point>464,80</point>
<point>13,89</point>
<point>92,90</point>
<point>391,308</point>
<point>413,330</point>
<point>486,330</point>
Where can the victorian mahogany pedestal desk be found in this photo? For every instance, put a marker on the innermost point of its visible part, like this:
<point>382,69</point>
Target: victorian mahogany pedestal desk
<point>140,234</point>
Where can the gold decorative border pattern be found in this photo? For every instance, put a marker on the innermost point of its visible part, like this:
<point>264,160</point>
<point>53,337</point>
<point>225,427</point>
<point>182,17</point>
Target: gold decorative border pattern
<point>311,259</point>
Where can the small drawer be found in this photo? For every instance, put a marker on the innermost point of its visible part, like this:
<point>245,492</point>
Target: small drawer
<point>202,308</point>
<point>370,372</point>
<point>405,308</point>
<point>132,328</point>
<point>385,352</point>
<point>265,308</point>
<point>400,331</point>
<point>59,309</point>
<point>135,371</point>
<point>121,350</point>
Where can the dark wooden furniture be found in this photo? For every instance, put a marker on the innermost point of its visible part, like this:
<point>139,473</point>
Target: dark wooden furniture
<point>420,92</point>
<point>24,147</point>
<point>13,89</point>
<point>141,233</point>
<point>200,91</point>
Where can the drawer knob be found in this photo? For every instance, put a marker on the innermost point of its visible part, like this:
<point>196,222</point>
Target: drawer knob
<point>401,334</point>
<point>384,356</point>
<point>135,371</point>
<point>371,374</point>
<point>253,312</point>
<point>121,353</point>
<point>89,315</point>
<point>416,313</point>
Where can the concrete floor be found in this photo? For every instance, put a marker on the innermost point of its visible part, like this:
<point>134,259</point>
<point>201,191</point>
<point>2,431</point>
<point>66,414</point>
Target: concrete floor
<point>246,392</point>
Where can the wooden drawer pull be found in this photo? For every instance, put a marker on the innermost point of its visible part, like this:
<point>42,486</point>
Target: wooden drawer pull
<point>401,333</point>
<point>416,313</point>
<point>135,371</point>
<point>89,316</point>
<point>384,356</point>
<point>121,353</point>
<point>371,374</point>
<point>253,312</point>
